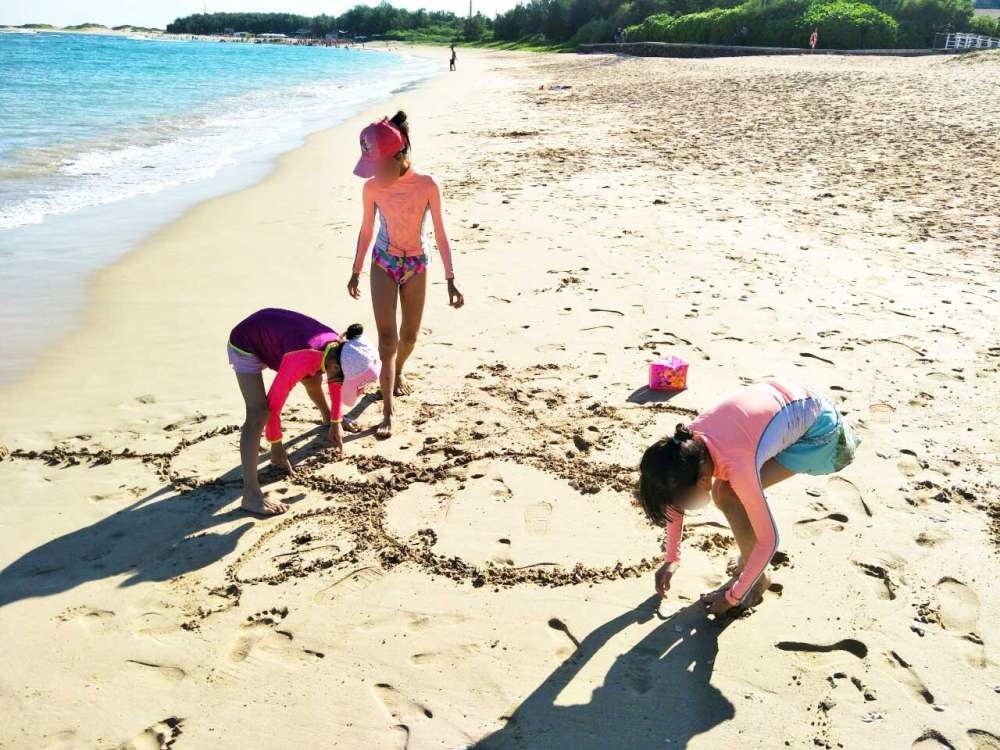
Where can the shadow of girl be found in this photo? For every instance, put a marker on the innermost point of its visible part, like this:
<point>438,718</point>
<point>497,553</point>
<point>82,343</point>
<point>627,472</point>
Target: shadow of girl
<point>657,691</point>
<point>165,534</point>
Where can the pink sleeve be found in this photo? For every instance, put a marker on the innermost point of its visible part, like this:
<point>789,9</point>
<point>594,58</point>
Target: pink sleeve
<point>440,236</point>
<point>672,543</point>
<point>336,402</point>
<point>294,367</point>
<point>745,482</point>
<point>367,223</point>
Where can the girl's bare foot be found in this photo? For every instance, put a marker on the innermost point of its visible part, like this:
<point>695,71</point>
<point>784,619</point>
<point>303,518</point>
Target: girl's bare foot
<point>351,426</point>
<point>402,387</point>
<point>756,595</point>
<point>385,429</point>
<point>255,501</point>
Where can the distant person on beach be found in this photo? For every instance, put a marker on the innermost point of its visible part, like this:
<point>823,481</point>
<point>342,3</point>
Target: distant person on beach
<point>403,199</point>
<point>756,437</point>
<point>813,39</point>
<point>300,350</point>
<point>454,57</point>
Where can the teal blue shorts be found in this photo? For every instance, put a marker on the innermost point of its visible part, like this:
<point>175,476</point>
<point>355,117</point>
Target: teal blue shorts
<point>827,446</point>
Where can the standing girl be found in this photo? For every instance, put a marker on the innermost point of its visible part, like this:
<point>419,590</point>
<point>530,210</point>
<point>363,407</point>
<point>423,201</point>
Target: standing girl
<point>300,349</point>
<point>403,199</point>
<point>756,437</point>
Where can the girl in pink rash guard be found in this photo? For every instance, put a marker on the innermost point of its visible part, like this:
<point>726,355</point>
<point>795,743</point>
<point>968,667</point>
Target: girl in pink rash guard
<point>300,350</point>
<point>403,199</point>
<point>755,437</point>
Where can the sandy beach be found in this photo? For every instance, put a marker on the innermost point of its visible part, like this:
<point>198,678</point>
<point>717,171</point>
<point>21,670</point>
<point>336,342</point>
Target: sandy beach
<point>483,578</point>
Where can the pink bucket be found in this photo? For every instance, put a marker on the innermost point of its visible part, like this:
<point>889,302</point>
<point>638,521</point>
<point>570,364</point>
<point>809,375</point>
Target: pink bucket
<point>668,374</point>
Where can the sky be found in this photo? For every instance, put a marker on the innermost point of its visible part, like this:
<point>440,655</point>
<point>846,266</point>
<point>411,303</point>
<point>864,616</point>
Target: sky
<point>158,13</point>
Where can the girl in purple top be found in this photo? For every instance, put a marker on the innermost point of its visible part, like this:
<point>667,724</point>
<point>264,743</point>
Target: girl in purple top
<point>299,349</point>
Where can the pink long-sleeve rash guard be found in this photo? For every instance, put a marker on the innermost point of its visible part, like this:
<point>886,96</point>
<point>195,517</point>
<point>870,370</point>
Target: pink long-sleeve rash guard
<point>740,438</point>
<point>402,207</point>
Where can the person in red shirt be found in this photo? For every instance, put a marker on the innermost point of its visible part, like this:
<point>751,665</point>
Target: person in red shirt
<point>301,350</point>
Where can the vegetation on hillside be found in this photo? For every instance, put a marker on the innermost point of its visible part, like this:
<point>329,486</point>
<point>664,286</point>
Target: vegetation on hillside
<point>564,24</point>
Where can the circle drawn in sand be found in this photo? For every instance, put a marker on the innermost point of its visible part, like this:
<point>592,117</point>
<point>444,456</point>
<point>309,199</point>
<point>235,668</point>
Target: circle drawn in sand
<point>354,531</point>
<point>514,515</point>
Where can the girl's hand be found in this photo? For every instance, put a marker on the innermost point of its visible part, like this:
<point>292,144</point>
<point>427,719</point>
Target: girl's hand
<point>336,436</point>
<point>455,298</point>
<point>353,286</point>
<point>663,577</point>
<point>280,458</point>
<point>716,602</point>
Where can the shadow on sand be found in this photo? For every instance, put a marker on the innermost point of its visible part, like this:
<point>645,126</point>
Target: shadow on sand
<point>162,535</point>
<point>656,695</point>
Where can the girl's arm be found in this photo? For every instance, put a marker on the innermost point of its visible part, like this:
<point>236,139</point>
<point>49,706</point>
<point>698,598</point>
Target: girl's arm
<point>335,387</point>
<point>294,367</point>
<point>672,542</point>
<point>440,236</point>
<point>367,224</point>
<point>746,485</point>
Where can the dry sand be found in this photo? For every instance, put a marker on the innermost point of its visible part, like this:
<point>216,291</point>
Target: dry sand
<point>482,579</point>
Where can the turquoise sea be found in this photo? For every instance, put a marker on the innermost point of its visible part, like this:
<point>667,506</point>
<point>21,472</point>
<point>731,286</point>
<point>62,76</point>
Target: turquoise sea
<point>105,138</point>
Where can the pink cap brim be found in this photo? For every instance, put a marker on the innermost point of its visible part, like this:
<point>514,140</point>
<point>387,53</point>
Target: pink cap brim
<point>351,390</point>
<point>365,167</point>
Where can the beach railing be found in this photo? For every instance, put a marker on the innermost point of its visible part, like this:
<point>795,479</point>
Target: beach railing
<point>961,40</point>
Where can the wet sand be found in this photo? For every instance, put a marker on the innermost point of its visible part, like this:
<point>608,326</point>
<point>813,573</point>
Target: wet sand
<point>483,579</point>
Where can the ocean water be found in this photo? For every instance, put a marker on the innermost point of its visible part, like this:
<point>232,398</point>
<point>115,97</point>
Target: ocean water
<point>105,138</point>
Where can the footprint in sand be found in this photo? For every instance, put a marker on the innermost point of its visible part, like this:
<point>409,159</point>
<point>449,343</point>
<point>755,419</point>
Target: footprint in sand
<point>958,611</point>
<point>932,740</point>
<point>638,668</point>
<point>983,740</point>
<point>537,517</point>
<point>499,489</point>
<point>816,526</point>
<point>502,553</point>
<point>85,616</point>
<point>844,493</point>
<point>160,736</point>
<point>905,674</point>
<point>909,465</point>
<point>407,714</point>
<point>881,413</point>
<point>262,635</point>
<point>874,570</point>
<point>448,657</point>
<point>164,672</point>
<point>356,580</point>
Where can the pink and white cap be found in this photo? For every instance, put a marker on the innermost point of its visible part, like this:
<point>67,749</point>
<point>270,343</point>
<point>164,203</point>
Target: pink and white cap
<point>379,141</point>
<point>360,364</point>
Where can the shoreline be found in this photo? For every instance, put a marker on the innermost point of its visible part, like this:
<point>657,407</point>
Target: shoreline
<point>158,211</point>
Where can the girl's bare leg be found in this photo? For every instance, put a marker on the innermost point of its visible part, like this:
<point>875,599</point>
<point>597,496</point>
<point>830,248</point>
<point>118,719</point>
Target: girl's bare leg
<point>384,296</point>
<point>729,503</point>
<point>255,398</point>
<point>411,296</point>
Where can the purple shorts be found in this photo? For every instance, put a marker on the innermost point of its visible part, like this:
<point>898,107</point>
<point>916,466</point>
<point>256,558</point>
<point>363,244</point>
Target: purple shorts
<point>243,362</point>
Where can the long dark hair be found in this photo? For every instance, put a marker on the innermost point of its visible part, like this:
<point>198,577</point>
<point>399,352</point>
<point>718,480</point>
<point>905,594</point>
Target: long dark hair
<point>668,468</point>
<point>403,126</point>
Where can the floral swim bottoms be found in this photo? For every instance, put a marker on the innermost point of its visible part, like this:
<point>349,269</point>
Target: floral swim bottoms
<point>400,268</point>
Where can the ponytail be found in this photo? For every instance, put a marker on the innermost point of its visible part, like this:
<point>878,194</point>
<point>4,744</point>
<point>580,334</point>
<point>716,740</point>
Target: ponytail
<point>401,124</point>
